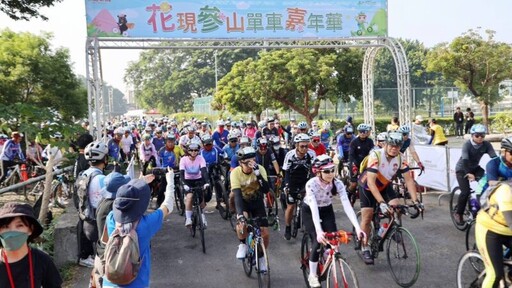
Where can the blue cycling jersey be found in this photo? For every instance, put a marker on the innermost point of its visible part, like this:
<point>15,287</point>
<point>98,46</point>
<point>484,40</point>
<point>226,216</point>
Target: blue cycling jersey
<point>167,158</point>
<point>406,145</point>
<point>230,151</point>
<point>113,149</point>
<point>212,156</point>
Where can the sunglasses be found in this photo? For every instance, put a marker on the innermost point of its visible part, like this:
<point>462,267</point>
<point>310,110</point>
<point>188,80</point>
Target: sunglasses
<point>363,132</point>
<point>316,141</point>
<point>348,133</point>
<point>479,135</point>
<point>328,171</point>
<point>405,134</point>
<point>193,150</point>
<point>233,141</point>
<point>303,146</point>
<point>244,162</point>
<point>263,146</point>
<point>208,144</point>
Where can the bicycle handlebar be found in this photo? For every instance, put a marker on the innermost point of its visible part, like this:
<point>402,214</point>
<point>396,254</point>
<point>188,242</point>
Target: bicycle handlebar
<point>339,236</point>
<point>404,209</point>
<point>417,168</point>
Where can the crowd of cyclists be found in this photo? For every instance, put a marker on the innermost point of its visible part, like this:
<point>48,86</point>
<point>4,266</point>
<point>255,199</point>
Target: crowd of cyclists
<point>257,157</point>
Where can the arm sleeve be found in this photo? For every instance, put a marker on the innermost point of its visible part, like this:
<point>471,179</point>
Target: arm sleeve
<point>347,206</point>
<point>310,199</point>
<point>204,174</point>
<point>182,177</point>
<point>239,202</point>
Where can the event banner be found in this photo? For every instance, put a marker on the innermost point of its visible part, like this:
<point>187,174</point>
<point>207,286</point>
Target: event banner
<point>231,20</point>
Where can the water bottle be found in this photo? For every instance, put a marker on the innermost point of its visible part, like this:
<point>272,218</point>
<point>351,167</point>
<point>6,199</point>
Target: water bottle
<point>473,204</point>
<point>327,251</point>
<point>249,242</point>
<point>382,229</point>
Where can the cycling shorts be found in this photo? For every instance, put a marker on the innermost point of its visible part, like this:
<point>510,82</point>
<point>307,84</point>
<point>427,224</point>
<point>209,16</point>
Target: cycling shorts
<point>368,201</point>
<point>295,193</point>
<point>256,209</point>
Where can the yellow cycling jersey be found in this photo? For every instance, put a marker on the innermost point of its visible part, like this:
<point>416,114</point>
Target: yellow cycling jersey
<point>493,219</point>
<point>248,183</point>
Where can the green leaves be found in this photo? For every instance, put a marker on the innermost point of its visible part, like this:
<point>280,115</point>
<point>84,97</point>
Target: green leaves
<point>24,10</point>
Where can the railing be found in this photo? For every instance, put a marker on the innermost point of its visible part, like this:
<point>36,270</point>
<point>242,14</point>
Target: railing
<point>33,180</point>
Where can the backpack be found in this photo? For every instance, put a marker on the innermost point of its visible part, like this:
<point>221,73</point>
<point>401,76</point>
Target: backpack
<point>364,163</point>
<point>122,257</point>
<point>85,211</point>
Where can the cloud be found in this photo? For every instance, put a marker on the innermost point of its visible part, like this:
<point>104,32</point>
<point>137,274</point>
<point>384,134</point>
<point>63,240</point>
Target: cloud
<point>242,5</point>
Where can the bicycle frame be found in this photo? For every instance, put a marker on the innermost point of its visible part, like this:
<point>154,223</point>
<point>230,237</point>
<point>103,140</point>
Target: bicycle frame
<point>395,221</point>
<point>334,240</point>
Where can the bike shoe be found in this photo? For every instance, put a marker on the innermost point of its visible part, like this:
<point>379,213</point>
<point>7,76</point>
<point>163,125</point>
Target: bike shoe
<point>313,281</point>
<point>288,233</point>
<point>188,222</point>
<point>242,251</point>
<point>368,257</point>
<point>458,218</point>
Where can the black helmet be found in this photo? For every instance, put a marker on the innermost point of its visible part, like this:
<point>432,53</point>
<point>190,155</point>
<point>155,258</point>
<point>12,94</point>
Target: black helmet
<point>506,144</point>
<point>395,138</point>
<point>245,153</point>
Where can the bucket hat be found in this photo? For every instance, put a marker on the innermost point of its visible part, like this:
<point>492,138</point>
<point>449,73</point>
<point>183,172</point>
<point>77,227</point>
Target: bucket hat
<point>112,182</point>
<point>131,201</point>
<point>16,209</point>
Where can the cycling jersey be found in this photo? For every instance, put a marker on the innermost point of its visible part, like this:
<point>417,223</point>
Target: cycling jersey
<point>493,219</point>
<point>469,161</point>
<point>266,161</point>
<point>344,145</point>
<point>126,143</point>
<point>192,168</point>
<point>269,132</point>
<point>220,138</point>
<point>158,142</point>
<point>384,168</point>
<point>405,145</point>
<point>184,140</point>
<point>170,158</point>
<point>212,156</point>
<point>325,136</point>
<point>230,151</point>
<point>319,149</point>
<point>297,169</point>
<point>247,183</point>
<point>321,192</point>
<point>146,152</point>
<point>12,150</point>
<point>359,148</point>
<point>114,149</point>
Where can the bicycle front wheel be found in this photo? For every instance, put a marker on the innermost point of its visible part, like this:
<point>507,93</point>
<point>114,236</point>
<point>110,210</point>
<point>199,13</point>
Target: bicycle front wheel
<point>403,257</point>
<point>470,270</point>
<point>454,197</point>
<point>201,227</point>
<point>470,237</point>
<point>340,274</point>
<point>305,252</point>
<point>263,266</point>
<point>56,191</point>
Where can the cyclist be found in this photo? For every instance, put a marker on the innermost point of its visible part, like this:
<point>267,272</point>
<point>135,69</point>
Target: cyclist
<point>493,230</point>
<point>297,167</point>
<point>189,137</point>
<point>169,157</point>
<point>230,149</point>
<point>381,140</point>
<point>314,128</point>
<point>359,148</point>
<point>193,174</point>
<point>318,212</point>
<point>212,156</point>
<point>343,146</point>
<point>114,149</point>
<point>499,168</point>
<point>270,129</point>
<point>244,142</point>
<point>248,183</point>
<point>279,152</point>
<point>267,159</point>
<point>468,167</point>
<point>302,127</point>
<point>250,130</point>
<point>383,165</point>
<point>326,134</point>
<point>204,129</point>
<point>127,144</point>
<point>147,153</point>
<point>408,145</point>
<point>11,153</point>
<point>220,136</point>
<point>158,140</point>
<point>316,144</point>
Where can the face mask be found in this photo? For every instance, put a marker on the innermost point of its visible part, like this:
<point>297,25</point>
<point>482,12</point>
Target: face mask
<point>13,240</point>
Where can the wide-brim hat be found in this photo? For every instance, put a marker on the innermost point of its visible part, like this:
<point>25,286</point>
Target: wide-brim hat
<point>112,182</point>
<point>18,209</point>
<point>131,201</point>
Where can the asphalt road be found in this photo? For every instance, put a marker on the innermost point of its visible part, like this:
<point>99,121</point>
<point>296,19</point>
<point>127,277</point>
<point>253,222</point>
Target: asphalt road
<point>177,259</point>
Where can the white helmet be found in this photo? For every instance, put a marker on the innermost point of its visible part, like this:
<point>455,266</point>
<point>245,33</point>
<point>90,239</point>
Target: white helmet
<point>95,151</point>
<point>220,123</point>
<point>326,125</point>
<point>302,125</point>
<point>302,137</point>
<point>382,136</point>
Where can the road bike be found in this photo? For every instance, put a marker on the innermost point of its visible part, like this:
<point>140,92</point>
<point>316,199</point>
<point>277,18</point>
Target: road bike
<point>469,212</point>
<point>332,266</point>
<point>297,214</point>
<point>402,252</point>
<point>471,270</point>
<point>256,256</point>
<point>197,212</point>
<point>14,176</point>
<point>344,173</point>
<point>216,179</point>
<point>400,187</point>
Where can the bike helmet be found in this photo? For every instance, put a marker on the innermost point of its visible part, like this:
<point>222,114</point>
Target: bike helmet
<point>404,129</point>
<point>95,151</point>
<point>506,144</point>
<point>170,136</point>
<point>363,127</point>
<point>119,131</point>
<point>478,128</point>
<point>206,139</point>
<point>382,136</point>
<point>302,125</point>
<point>148,129</point>
<point>274,140</point>
<point>270,120</point>
<point>315,135</point>
<point>220,123</point>
<point>322,162</point>
<point>191,129</point>
<point>302,137</point>
<point>326,125</point>
<point>262,124</point>
<point>348,129</point>
<point>193,145</point>
<point>158,130</point>
<point>245,140</point>
<point>395,138</point>
<point>236,124</point>
<point>245,153</point>
<point>262,141</point>
<point>146,137</point>
<point>232,136</point>
<point>3,136</point>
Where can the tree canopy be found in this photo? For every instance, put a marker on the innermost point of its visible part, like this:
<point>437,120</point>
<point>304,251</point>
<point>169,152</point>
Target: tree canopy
<point>474,64</point>
<point>25,9</point>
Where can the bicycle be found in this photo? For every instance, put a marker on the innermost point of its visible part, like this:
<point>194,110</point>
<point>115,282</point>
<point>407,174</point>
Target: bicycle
<point>156,185</point>
<point>469,211</point>
<point>197,219</point>
<point>271,197</point>
<point>471,270</point>
<point>256,250</point>
<point>297,215</point>
<point>14,176</point>
<point>344,173</point>
<point>332,266</point>
<point>400,186</point>
<point>216,180</point>
<point>402,251</point>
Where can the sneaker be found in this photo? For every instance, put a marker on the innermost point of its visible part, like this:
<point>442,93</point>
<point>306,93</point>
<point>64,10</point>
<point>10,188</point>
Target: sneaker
<point>288,233</point>
<point>263,265</point>
<point>368,257</point>
<point>242,251</point>
<point>458,218</point>
<point>188,222</point>
<point>87,262</point>
<point>205,223</point>
<point>313,281</point>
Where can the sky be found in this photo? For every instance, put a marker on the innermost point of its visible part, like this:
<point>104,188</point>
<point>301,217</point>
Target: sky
<point>429,21</point>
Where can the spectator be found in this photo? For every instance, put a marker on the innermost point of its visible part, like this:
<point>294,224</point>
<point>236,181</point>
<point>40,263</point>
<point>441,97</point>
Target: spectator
<point>470,119</point>
<point>349,123</point>
<point>394,125</point>
<point>437,133</point>
<point>458,118</point>
<point>18,226</point>
<point>419,133</point>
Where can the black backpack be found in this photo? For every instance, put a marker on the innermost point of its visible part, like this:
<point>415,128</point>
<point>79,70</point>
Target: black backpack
<point>85,211</point>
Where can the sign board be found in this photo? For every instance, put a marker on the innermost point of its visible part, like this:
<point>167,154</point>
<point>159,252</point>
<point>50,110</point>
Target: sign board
<point>232,20</point>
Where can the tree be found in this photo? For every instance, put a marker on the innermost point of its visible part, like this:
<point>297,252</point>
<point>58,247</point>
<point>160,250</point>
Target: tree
<point>25,9</point>
<point>34,75</point>
<point>167,79</point>
<point>474,64</point>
